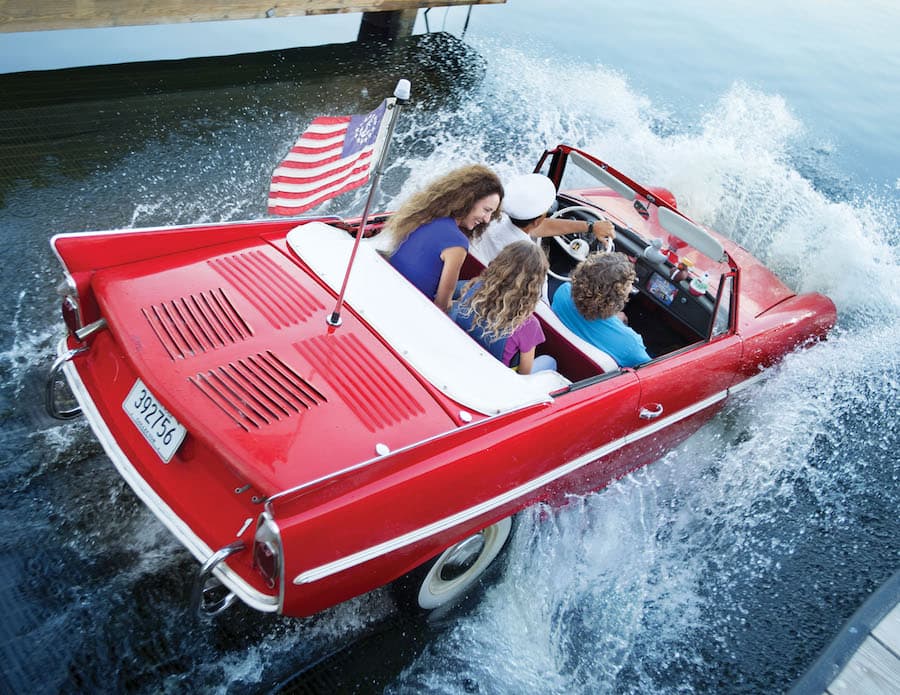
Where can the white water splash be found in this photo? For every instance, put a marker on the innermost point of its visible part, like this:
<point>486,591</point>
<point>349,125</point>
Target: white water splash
<point>29,348</point>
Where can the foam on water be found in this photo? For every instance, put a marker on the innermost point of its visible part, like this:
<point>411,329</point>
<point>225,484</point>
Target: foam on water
<point>26,351</point>
<point>662,583</point>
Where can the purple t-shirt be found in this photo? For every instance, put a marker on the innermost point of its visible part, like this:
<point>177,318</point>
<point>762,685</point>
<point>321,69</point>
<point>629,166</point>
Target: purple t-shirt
<point>527,336</point>
<point>418,258</point>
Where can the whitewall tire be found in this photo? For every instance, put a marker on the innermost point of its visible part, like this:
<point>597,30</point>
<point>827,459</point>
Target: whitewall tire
<point>453,574</point>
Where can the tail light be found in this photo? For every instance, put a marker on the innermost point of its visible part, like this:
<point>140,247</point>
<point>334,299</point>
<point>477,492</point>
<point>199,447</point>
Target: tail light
<point>71,307</point>
<point>267,550</point>
<point>72,314</point>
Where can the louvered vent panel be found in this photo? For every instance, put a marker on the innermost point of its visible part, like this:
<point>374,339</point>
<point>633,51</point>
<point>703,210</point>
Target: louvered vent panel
<point>196,323</point>
<point>269,287</point>
<point>258,390</point>
<point>362,382</point>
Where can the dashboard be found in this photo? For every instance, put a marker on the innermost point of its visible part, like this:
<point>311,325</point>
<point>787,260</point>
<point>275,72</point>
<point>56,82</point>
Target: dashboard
<point>674,298</point>
<point>693,311</point>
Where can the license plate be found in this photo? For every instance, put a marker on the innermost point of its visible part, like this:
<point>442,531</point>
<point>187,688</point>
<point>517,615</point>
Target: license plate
<point>161,430</point>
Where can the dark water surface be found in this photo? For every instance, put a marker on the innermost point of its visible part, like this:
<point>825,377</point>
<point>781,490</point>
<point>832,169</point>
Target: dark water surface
<point>724,567</point>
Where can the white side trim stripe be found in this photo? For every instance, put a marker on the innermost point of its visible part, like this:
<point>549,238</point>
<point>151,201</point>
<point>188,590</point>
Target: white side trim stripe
<point>326,570</point>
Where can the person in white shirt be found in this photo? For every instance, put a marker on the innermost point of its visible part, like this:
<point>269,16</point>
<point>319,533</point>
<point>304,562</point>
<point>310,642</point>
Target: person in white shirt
<point>525,205</point>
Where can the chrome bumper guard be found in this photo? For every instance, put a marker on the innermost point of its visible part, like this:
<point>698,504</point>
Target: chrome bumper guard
<point>50,403</point>
<point>204,596</point>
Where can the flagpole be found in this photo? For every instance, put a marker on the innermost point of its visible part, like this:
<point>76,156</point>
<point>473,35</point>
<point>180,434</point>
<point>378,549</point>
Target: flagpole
<point>401,93</point>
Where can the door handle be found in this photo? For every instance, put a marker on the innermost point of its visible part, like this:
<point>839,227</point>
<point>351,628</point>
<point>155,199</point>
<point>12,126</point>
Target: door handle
<point>651,411</point>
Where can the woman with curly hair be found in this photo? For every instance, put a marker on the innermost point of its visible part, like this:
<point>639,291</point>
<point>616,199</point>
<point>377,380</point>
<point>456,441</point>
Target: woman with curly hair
<point>589,304</point>
<point>431,230</point>
<point>497,307</point>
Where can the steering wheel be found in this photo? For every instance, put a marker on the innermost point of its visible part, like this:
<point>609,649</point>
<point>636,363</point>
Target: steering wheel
<point>578,246</point>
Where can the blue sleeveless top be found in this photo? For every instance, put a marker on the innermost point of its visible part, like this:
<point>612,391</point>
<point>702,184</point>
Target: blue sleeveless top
<point>418,258</point>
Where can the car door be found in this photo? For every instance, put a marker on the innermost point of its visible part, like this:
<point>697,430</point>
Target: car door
<point>681,391</point>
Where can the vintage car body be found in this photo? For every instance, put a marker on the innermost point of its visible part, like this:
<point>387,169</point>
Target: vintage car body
<point>318,462</point>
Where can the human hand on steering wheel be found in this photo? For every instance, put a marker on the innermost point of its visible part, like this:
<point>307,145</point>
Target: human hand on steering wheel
<point>605,232</point>
<point>598,236</point>
<point>589,233</point>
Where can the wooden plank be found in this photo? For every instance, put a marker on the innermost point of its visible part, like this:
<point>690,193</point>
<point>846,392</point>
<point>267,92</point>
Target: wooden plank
<point>888,631</point>
<point>872,670</point>
<point>39,15</point>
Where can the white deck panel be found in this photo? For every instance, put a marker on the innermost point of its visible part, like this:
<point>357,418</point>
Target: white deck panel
<point>420,332</point>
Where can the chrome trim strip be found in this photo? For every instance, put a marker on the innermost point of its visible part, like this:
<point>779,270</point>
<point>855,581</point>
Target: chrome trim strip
<point>235,583</point>
<point>328,569</point>
<point>748,382</point>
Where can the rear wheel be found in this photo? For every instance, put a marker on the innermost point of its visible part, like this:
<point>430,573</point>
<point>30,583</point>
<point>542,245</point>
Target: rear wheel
<point>455,574</point>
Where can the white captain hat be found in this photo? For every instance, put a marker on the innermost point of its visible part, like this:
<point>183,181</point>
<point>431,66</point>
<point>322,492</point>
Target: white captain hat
<point>528,196</point>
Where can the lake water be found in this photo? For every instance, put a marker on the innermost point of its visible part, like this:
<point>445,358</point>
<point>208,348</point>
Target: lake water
<point>724,567</point>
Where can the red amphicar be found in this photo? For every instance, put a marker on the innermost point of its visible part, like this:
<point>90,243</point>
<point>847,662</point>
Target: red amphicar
<point>304,463</point>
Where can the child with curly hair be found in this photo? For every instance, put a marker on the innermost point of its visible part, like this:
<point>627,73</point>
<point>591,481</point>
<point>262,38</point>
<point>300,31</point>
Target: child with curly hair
<point>497,307</point>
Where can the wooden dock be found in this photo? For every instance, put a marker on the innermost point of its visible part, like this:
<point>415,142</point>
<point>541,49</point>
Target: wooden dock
<point>864,659</point>
<point>32,15</point>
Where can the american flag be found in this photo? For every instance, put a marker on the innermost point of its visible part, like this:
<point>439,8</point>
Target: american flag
<point>332,156</point>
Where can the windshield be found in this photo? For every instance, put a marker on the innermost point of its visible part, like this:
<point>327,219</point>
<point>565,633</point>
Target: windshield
<point>649,227</point>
